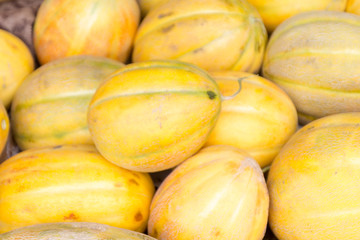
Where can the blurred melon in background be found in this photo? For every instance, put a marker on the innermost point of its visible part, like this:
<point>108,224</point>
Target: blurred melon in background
<point>274,12</point>
<point>99,28</point>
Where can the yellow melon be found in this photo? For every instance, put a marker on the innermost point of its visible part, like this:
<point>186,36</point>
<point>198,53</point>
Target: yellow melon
<point>274,12</point>
<point>260,119</point>
<point>16,62</point>
<point>315,58</point>
<point>314,181</point>
<point>50,106</point>
<point>151,116</point>
<point>99,28</point>
<point>219,193</point>
<point>72,183</point>
<point>212,34</point>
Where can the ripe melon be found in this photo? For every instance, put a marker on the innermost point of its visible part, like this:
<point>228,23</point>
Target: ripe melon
<point>314,181</point>
<point>16,62</point>
<point>212,34</point>
<point>99,28</point>
<point>259,119</point>
<point>71,183</point>
<point>219,193</point>
<point>315,58</point>
<point>50,106</point>
<point>150,116</point>
<point>274,12</point>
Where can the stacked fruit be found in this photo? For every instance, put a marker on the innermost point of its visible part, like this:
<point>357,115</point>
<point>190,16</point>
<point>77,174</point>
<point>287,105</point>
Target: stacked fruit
<point>126,117</point>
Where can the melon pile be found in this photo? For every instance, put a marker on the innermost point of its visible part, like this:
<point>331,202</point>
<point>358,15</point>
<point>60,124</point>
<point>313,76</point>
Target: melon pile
<point>180,120</point>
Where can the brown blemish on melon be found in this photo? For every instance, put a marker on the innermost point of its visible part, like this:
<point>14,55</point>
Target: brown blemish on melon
<point>162,15</point>
<point>156,233</point>
<point>71,216</point>
<point>198,50</point>
<point>138,216</point>
<point>133,181</point>
<point>168,28</point>
<point>135,175</point>
<point>118,184</point>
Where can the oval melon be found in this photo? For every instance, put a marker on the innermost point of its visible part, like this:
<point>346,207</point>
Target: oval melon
<point>71,183</point>
<point>314,181</point>
<point>274,12</point>
<point>259,119</point>
<point>315,58</point>
<point>212,34</point>
<point>150,116</point>
<point>99,28</point>
<point>219,193</point>
<point>50,106</point>
<point>16,62</point>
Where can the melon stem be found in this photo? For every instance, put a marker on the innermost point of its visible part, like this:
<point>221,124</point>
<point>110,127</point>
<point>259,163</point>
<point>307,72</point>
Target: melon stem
<point>224,98</point>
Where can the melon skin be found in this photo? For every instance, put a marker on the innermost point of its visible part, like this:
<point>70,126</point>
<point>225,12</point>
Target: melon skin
<point>147,5</point>
<point>259,119</point>
<point>73,231</point>
<point>218,193</point>
<point>353,6</point>
<point>71,183</point>
<point>150,116</point>
<point>98,28</point>
<point>314,57</point>
<point>274,12</point>
<point>214,35</point>
<point>4,127</point>
<point>50,106</point>
<point>313,182</point>
<point>15,64</point>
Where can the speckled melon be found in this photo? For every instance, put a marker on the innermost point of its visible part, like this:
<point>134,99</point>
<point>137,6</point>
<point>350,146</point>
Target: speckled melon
<point>315,58</point>
<point>71,183</point>
<point>99,28</point>
<point>212,34</point>
<point>73,231</point>
<point>150,116</point>
<point>50,106</point>
<point>219,193</point>
<point>260,119</point>
<point>314,181</point>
